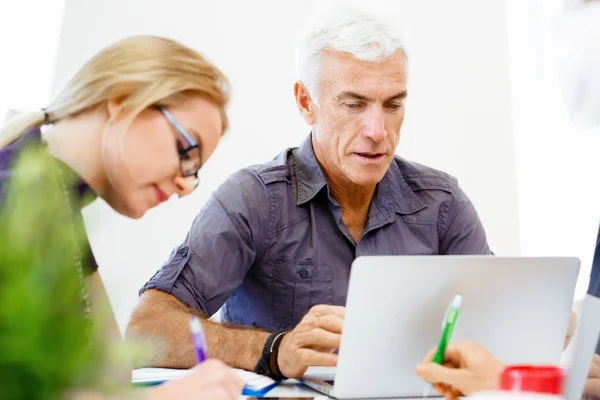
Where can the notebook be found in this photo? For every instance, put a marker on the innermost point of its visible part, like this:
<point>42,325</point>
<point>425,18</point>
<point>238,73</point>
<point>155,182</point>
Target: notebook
<point>255,385</point>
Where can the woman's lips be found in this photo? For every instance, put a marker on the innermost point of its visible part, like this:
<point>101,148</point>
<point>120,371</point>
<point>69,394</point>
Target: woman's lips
<point>161,196</point>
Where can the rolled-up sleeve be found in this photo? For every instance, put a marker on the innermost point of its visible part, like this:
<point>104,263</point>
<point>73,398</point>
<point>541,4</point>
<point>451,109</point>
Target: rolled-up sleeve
<point>461,229</point>
<point>221,246</point>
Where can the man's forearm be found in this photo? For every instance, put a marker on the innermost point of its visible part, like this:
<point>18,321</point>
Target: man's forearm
<point>164,320</point>
<point>239,347</point>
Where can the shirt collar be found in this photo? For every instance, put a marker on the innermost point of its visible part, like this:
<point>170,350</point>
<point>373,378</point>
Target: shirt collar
<point>309,176</point>
<point>393,192</point>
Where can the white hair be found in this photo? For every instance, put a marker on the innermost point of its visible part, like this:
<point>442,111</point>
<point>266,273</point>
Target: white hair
<point>349,30</point>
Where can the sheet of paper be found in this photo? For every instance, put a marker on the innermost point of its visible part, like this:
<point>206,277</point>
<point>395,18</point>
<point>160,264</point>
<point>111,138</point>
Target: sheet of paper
<point>253,380</point>
<point>147,375</point>
<point>153,375</point>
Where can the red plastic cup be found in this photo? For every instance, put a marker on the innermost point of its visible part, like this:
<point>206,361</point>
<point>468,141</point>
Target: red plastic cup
<point>530,378</point>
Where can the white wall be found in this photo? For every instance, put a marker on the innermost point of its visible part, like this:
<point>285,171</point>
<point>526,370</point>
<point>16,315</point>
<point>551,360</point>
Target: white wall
<point>29,35</point>
<point>557,163</point>
<point>458,115</point>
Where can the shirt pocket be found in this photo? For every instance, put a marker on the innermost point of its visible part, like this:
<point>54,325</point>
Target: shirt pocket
<point>296,287</point>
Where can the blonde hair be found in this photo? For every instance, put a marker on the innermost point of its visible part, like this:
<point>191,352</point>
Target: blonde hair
<point>140,71</point>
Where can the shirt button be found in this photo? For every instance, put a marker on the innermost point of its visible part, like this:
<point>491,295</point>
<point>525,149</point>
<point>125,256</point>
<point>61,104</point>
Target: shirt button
<point>183,252</point>
<point>303,273</point>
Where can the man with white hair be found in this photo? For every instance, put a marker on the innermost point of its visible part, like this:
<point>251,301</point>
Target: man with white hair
<point>275,242</point>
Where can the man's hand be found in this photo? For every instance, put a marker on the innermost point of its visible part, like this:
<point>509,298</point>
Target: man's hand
<point>570,329</point>
<point>468,368</point>
<point>312,341</point>
<point>210,380</point>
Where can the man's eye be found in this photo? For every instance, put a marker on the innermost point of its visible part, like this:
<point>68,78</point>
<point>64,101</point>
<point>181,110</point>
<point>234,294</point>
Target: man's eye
<point>394,107</point>
<point>353,106</point>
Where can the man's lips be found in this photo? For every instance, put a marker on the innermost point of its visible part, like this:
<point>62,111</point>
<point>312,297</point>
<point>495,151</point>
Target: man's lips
<point>369,156</point>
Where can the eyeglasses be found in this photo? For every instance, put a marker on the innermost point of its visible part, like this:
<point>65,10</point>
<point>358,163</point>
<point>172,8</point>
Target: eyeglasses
<point>190,157</point>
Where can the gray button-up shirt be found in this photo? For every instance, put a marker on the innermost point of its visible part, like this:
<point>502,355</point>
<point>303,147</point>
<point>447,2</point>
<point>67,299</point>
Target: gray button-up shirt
<point>270,242</point>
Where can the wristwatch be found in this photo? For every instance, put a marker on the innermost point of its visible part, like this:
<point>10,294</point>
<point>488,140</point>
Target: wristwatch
<point>268,364</point>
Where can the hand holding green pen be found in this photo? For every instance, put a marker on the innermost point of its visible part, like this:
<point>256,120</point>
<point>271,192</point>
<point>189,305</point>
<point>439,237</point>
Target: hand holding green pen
<point>447,329</point>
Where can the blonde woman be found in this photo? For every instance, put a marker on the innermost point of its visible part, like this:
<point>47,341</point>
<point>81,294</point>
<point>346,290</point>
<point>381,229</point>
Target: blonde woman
<point>134,125</point>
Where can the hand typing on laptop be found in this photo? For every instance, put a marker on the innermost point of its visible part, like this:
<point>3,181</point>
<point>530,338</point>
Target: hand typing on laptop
<point>312,341</point>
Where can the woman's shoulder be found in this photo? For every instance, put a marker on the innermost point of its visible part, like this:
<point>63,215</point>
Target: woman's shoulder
<point>11,153</point>
<point>8,154</point>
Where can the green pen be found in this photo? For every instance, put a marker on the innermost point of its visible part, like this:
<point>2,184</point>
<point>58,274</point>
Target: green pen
<point>447,329</point>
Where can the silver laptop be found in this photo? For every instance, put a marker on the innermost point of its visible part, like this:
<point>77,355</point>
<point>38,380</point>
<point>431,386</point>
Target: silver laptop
<point>516,307</point>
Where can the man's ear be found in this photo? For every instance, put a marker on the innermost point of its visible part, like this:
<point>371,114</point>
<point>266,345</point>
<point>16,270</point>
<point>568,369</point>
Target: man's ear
<point>304,103</point>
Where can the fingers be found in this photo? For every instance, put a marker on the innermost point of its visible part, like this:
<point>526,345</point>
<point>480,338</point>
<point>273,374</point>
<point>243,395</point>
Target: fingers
<point>312,357</point>
<point>325,309</point>
<point>211,366</point>
<point>320,338</point>
<point>472,368</point>
<point>435,373</point>
<point>452,355</point>
<point>592,387</point>
<point>455,393</point>
<point>331,323</point>
<point>429,356</point>
<point>222,377</point>
<point>446,391</point>
<point>233,385</point>
<point>595,367</point>
<point>214,393</point>
<point>312,341</point>
<point>440,388</point>
<point>451,396</point>
<point>236,383</point>
<point>210,380</point>
<point>320,319</point>
<point>572,323</point>
<point>570,329</point>
<point>319,332</point>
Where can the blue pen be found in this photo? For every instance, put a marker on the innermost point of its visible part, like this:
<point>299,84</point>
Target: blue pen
<point>198,339</point>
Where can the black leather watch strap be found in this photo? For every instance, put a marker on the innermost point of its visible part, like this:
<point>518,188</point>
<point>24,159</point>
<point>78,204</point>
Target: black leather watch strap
<point>274,357</point>
<point>263,366</point>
